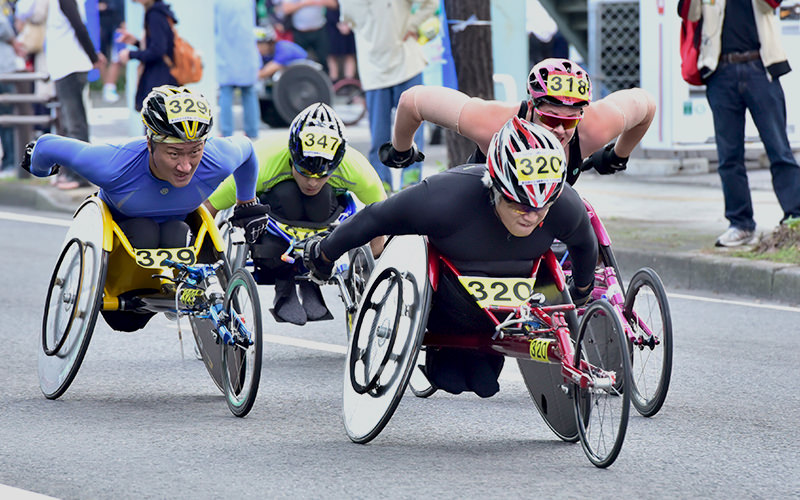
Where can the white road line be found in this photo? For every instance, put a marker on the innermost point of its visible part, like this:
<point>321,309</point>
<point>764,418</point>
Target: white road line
<point>35,219</point>
<point>11,493</point>
<point>773,307</point>
<point>306,344</point>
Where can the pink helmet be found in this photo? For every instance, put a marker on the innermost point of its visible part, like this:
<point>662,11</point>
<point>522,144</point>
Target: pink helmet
<point>560,82</point>
<point>526,163</point>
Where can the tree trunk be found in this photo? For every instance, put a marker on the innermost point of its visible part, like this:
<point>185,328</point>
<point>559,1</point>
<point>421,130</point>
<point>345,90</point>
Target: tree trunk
<point>472,55</point>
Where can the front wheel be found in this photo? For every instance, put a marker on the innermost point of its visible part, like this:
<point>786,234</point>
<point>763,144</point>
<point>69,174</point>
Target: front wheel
<point>601,408</point>
<point>647,314</point>
<point>360,268</point>
<point>241,361</point>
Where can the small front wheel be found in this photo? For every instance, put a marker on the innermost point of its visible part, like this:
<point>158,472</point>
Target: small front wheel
<point>601,407</point>
<point>647,313</point>
<point>241,361</point>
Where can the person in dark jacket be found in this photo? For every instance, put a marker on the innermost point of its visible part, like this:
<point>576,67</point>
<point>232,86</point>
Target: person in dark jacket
<point>158,42</point>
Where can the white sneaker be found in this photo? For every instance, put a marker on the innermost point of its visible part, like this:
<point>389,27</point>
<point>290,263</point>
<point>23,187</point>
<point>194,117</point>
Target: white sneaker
<point>735,237</point>
<point>110,94</point>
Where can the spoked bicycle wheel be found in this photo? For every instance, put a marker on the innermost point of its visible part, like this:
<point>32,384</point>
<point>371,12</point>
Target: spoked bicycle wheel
<point>349,101</point>
<point>241,362</point>
<point>63,295</point>
<point>601,410</point>
<point>647,314</point>
<point>361,265</point>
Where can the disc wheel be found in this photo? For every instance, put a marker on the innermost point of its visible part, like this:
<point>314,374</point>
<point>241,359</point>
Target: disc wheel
<point>349,101</point>
<point>601,410</point>
<point>647,313</point>
<point>361,265</point>
<point>241,361</point>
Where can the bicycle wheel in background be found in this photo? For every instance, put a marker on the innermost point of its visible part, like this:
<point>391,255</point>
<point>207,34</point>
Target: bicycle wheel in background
<point>601,410</point>
<point>349,101</point>
<point>647,313</point>
<point>358,271</point>
<point>241,362</point>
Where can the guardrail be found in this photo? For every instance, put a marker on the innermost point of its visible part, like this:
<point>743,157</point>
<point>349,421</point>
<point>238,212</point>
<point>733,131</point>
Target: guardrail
<point>23,119</point>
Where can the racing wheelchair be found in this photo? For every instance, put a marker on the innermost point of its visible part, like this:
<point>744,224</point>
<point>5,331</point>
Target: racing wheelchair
<point>643,310</point>
<point>574,371</point>
<point>98,269</point>
<point>350,273</point>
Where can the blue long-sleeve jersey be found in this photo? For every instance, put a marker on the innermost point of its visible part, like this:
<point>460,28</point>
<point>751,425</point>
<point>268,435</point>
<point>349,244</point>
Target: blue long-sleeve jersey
<point>128,187</point>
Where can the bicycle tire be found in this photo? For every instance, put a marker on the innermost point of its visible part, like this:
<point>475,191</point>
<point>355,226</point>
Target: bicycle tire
<point>349,101</point>
<point>601,411</point>
<point>241,364</point>
<point>650,373</point>
<point>69,295</point>
<point>358,272</point>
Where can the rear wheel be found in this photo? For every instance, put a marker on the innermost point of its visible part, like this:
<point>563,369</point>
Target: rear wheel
<point>241,362</point>
<point>647,314</point>
<point>601,410</point>
<point>349,101</point>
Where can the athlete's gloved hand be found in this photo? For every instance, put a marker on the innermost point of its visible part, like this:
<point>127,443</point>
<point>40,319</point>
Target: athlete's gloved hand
<point>315,262</point>
<point>399,159</point>
<point>605,161</point>
<point>580,298</point>
<point>252,217</point>
<point>25,164</point>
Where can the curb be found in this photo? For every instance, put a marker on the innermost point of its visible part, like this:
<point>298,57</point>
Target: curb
<point>760,280</point>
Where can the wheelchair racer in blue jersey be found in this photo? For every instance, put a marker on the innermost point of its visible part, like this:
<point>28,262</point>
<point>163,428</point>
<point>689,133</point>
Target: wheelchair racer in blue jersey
<point>152,183</point>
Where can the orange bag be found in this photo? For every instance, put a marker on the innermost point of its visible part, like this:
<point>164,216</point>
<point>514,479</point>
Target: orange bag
<point>186,66</point>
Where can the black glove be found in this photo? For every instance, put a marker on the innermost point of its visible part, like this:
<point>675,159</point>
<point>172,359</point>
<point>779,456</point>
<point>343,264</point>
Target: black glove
<point>252,217</point>
<point>580,298</point>
<point>25,164</point>
<point>399,159</point>
<point>313,260</point>
<point>605,161</point>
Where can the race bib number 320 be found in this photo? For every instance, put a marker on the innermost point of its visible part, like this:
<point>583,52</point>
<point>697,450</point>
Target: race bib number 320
<point>508,292</point>
<point>319,141</point>
<point>153,258</point>
<point>564,85</point>
<point>535,166</point>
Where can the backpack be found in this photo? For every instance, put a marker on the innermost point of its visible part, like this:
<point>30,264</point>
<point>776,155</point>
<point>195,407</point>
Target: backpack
<point>691,32</point>
<point>186,65</point>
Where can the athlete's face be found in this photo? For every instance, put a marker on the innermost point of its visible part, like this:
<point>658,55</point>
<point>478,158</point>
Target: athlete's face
<point>519,220</point>
<point>562,121</point>
<point>309,186</point>
<point>175,163</point>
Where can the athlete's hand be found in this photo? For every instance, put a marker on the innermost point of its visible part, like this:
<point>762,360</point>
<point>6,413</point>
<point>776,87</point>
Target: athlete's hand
<point>320,268</point>
<point>580,298</point>
<point>252,217</point>
<point>399,159</point>
<point>25,163</point>
<point>605,161</point>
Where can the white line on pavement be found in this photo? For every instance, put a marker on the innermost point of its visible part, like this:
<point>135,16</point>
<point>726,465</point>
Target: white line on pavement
<point>773,307</point>
<point>306,344</point>
<point>35,219</point>
<point>9,492</point>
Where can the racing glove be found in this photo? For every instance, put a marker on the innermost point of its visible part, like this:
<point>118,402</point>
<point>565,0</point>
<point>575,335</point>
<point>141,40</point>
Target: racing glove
<point>313,260</point>
<point>25,164</point>
<point>605,161</point>
<point>580,298</point>
<point>252,217</point>
<point>399,159</point>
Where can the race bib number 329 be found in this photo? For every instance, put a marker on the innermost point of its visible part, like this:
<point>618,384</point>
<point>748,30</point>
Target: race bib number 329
<point>508,292</point>
<point>153,258</point>
<point>185,107</point>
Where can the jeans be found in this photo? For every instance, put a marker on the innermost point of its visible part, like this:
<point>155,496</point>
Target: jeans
<point>7,133</point>
<point>731,90</point>
<point>252,113</point>
<point>380,103</point>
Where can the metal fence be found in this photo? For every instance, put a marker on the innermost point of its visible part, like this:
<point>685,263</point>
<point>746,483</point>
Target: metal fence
<point>613,45</point>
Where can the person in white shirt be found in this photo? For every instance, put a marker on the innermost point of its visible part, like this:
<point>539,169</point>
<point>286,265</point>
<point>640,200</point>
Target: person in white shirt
<point>308,26</point>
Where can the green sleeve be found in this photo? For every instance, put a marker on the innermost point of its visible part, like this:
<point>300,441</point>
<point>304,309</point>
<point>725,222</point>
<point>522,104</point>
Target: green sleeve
<point>368,187</point>
<point>225,195</point>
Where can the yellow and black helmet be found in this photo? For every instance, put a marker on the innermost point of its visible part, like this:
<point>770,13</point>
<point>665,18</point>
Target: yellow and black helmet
<point>176,114</point>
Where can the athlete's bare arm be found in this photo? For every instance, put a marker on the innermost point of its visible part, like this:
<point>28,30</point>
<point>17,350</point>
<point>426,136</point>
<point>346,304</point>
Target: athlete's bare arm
<point>625,115</point>
<point>473,118</point>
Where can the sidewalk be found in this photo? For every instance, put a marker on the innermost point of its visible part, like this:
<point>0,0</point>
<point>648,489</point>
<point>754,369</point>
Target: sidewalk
<point>668,223</point>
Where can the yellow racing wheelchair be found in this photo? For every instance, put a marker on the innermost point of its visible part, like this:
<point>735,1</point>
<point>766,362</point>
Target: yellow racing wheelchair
<point>99,270</point>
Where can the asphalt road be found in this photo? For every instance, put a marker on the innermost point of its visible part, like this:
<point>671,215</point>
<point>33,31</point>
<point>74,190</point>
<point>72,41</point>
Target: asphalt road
<point>140,422</point>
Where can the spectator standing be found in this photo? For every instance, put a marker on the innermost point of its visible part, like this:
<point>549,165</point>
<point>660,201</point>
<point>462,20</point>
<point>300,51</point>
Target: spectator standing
<point>389,61</point>
<point>238,63</point>
<point>342,47</point>
<point>158,42</point>
<point>740,62</point>
<point>70,55</point>
<point>308,26</point>
<point>112,17</point>
<point>275,54</point>
<point>7,65</point>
